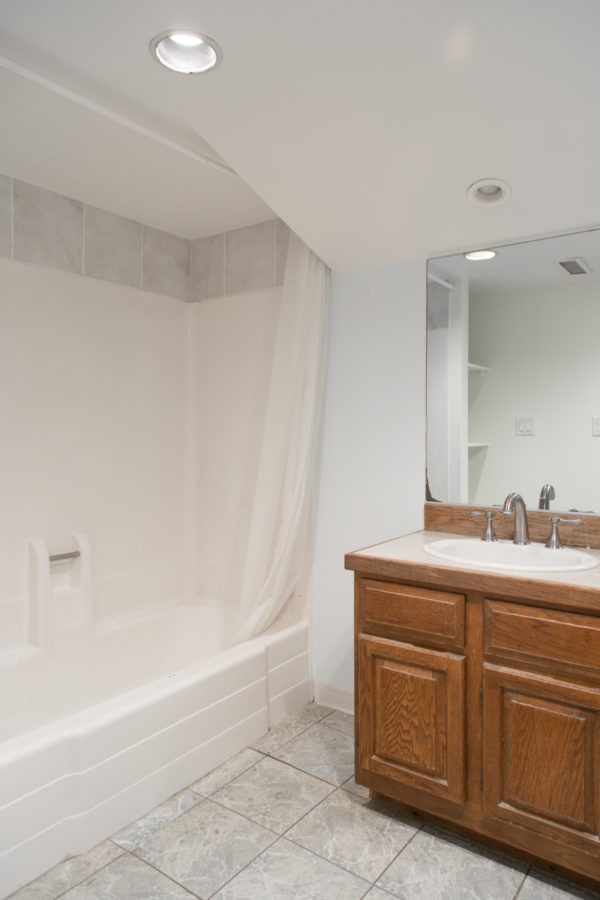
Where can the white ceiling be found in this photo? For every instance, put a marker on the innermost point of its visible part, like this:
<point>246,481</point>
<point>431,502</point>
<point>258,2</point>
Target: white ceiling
<point>360,122</point>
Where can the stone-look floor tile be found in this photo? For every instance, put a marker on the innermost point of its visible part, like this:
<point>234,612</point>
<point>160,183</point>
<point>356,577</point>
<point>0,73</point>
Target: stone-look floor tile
<point>205,847</point>
<point>353,834</point>
<point>313,712</point>
<point>128,878</point>
<point>357,789</point>
<point>340,721</point>
<point>227,772</point>
<point>69,873</point>
<point>288,872</point>
<point>321,751</point>
<point>290,727</point>
<point>541,886</point>
<point>132,836</point>
<point>438,866</point>
<point>273,794</point>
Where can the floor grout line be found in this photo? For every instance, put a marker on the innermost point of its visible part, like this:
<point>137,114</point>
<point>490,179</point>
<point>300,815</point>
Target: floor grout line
<point>399,853</point>
<point>254,858</point>
<point>90,874</point>
<point>523,880</point>
<point>166,874</point>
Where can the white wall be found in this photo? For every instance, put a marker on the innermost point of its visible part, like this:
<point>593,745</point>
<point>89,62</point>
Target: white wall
<point>92,399</point>
<point>371,472</point>
<point>230,352</point>
<point>542,349</point>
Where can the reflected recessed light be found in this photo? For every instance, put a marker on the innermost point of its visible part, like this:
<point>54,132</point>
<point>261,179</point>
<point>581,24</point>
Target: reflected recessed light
<point>480,254</point>
<point>488,190</point>
<point>186,51</point>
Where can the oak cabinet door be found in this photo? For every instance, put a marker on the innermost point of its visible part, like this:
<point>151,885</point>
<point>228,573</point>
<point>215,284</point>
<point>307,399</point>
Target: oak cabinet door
<point>411,716</point>
<point>542,754</point>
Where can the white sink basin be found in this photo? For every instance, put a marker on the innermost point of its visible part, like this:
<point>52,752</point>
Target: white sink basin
<point>506,555</point>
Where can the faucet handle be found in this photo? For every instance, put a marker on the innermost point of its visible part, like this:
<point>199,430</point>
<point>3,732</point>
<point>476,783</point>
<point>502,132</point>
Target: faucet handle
<point>554,542</point>
<point>488,533</point>
<point>546,495</point>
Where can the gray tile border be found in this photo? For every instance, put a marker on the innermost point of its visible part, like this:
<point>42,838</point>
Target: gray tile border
<point>437,865</point>
<point>322,752</point>
<point>218,778</point>
<point>128,878</point>
<point>355,834</point>
<point>250,258</point>
<point>42,227</point>
<point>48,228</point>
<point>112,247</point>
<point>273,794</point>
<point>288,872</point>
<point>282,240</point>
<point>69,873</point>
<point>208,267</point>
<point>205,847</point>
<point>165,263</point>
<point>6,215</point>
<point>132,836</point>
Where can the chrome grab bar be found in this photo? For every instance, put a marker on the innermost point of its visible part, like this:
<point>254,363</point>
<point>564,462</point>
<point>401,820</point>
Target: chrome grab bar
<point>57,557</point>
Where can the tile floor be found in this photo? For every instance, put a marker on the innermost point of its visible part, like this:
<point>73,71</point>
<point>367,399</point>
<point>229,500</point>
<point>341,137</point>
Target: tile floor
<point>284,820</point>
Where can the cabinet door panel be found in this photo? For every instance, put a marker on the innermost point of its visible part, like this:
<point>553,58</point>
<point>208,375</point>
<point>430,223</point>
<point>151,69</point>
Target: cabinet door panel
<point>411,716</point>
<point>542,753</point>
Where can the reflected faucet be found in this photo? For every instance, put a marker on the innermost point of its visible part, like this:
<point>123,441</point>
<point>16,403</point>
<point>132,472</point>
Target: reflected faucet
<point>546,495</point>
<point>515,503</point>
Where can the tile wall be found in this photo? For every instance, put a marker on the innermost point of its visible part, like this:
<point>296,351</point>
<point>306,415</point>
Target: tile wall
<point>43,228</point>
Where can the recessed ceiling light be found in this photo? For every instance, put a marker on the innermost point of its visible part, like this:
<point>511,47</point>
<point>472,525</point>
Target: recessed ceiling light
<point>477,255</point>
<point>488,190</point>
<point>186,51</point>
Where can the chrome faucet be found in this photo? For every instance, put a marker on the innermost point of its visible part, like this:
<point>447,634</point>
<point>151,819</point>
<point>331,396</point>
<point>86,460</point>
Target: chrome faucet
<point>546,495</point>
<point>515,503</point>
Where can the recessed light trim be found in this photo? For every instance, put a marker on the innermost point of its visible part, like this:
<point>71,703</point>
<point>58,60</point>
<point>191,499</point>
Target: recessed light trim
<point>478,255</point>
<point>186,52</point>
<point>489,190</point>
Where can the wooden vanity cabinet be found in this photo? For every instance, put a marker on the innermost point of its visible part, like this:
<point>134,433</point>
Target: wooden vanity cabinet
<point>482,711</point>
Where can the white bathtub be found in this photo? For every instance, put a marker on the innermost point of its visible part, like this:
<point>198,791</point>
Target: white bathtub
<point>96,731</point>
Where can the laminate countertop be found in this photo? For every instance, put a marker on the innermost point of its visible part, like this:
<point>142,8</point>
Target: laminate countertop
<point>405,558</point>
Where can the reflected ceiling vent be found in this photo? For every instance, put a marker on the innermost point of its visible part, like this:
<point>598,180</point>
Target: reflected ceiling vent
<point>575,266</point>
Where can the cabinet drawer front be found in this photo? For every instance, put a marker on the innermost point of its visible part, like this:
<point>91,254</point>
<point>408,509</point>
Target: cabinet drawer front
<point>567,643</point>
<point>417,615</point>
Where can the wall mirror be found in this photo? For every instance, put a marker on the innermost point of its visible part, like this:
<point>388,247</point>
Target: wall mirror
<point>513,374</point>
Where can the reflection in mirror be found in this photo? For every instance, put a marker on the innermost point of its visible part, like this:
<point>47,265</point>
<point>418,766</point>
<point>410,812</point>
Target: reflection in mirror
<point>513,374</point>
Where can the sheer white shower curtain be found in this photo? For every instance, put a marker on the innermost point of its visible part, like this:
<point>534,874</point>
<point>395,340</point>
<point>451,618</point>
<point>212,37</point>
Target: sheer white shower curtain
<point>278,556</point>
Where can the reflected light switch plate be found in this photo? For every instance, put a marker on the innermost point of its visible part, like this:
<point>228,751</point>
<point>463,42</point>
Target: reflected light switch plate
<point>524,427</point>
<point>595,426</point>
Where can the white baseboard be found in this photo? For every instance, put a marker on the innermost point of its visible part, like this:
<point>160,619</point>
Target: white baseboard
<point>334,697</point>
